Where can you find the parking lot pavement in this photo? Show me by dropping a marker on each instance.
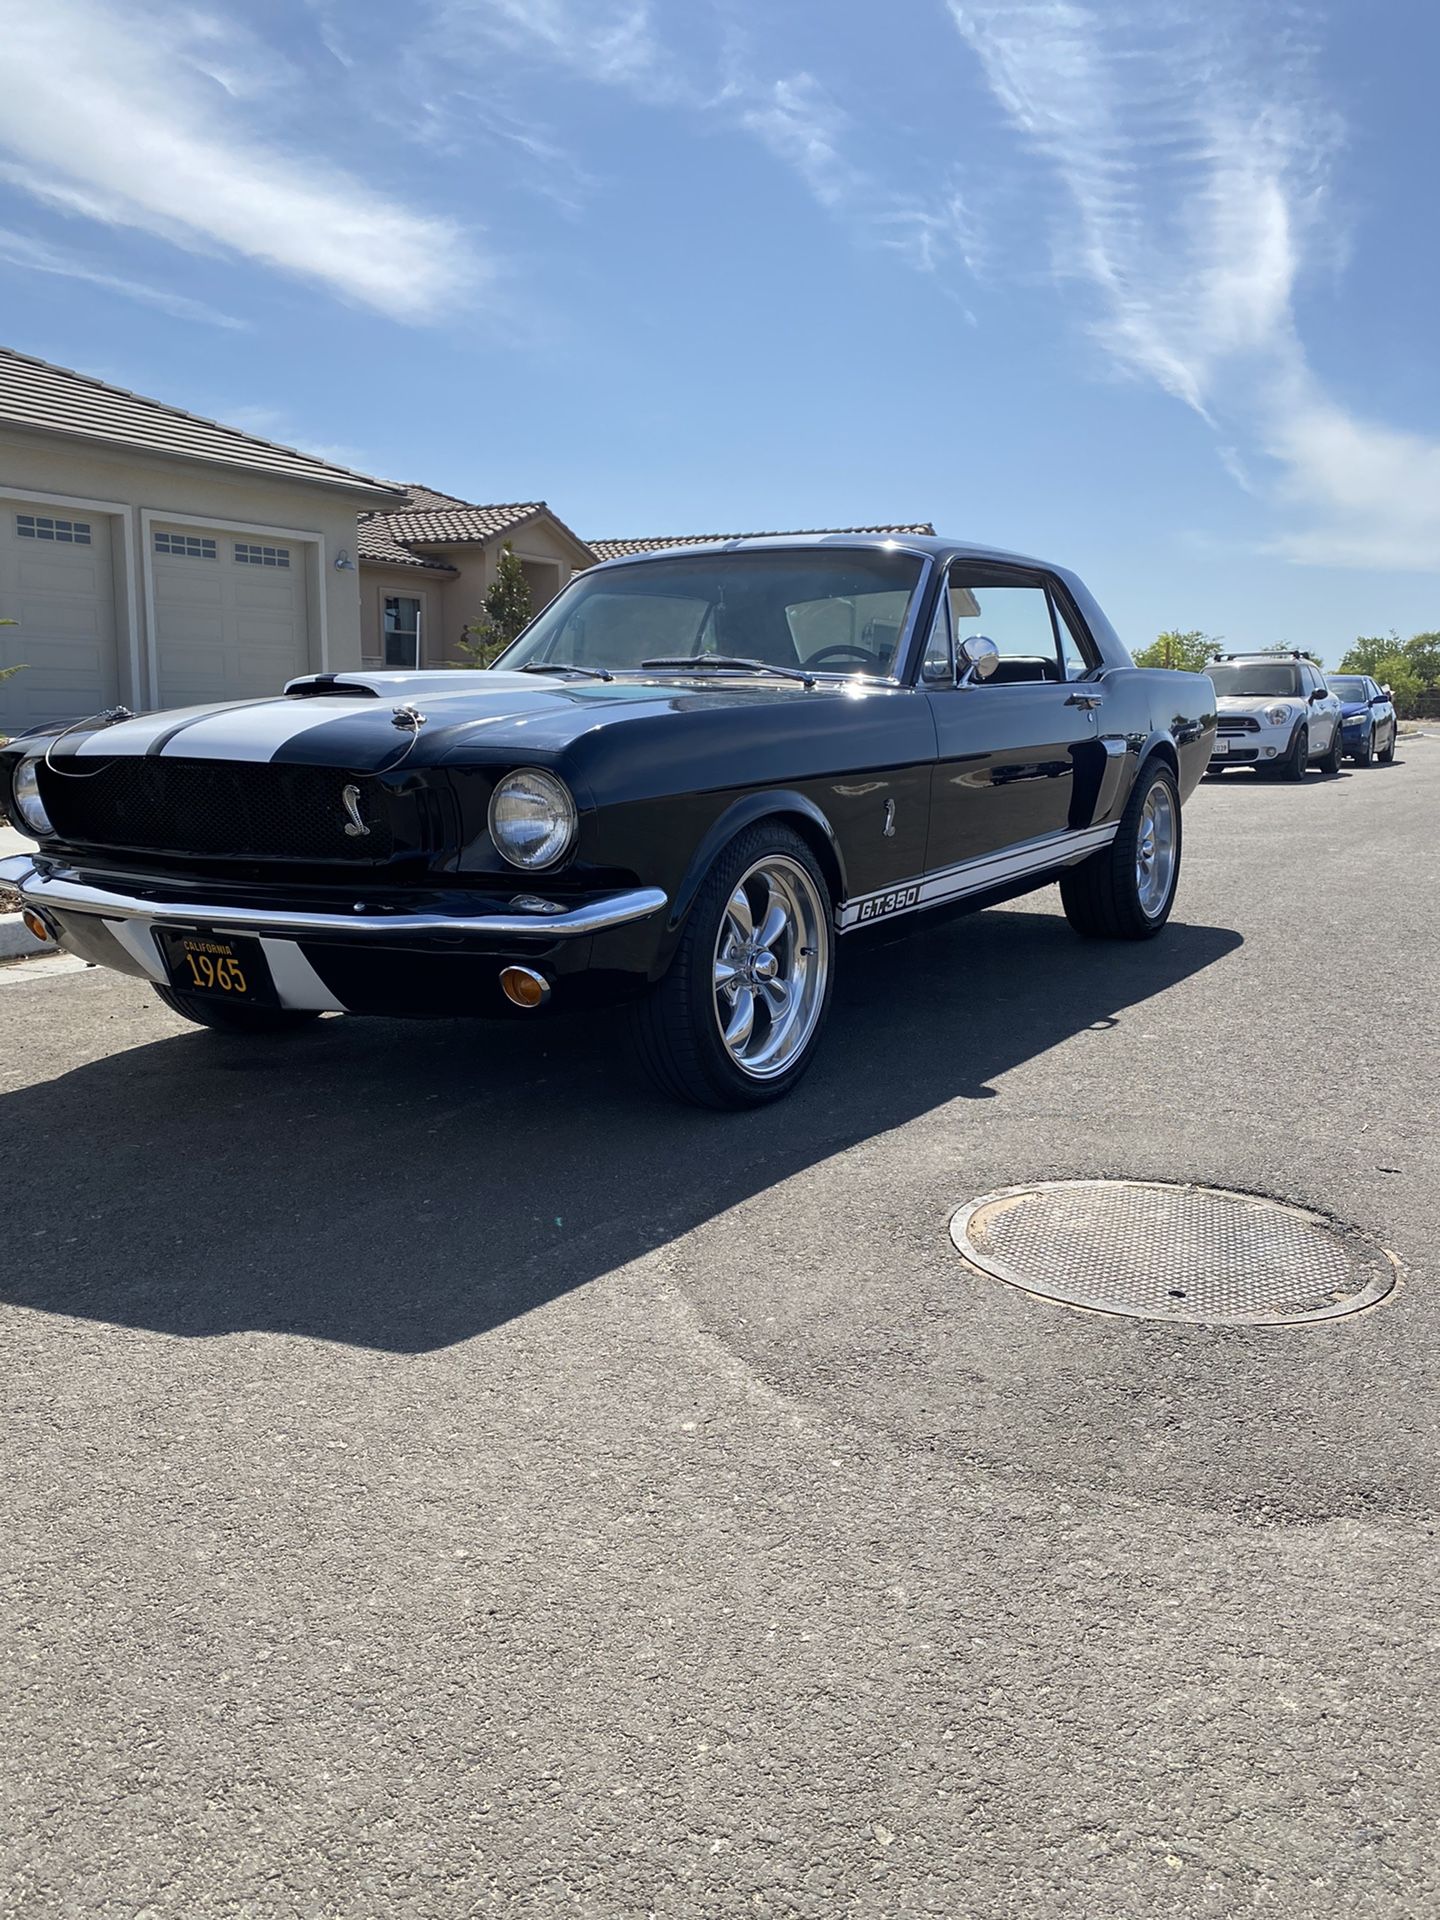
(443, 1479)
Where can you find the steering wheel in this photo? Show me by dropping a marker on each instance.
(836, 653)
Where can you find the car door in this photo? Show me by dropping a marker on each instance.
(1007, 748)
(1382, 713)
(1324, 712)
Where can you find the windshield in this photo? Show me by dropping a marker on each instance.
(838, 611)
(1349, 687)
(1264, 678)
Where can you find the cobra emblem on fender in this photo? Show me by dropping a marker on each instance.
(355, 825)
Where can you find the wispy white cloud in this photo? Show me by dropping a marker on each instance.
(140, 120)
(612, 41)
(34, 256)
(1191, 154)
(619, 43)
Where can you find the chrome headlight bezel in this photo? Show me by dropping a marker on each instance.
(550, 801)
(1279, 716)
(25, 798)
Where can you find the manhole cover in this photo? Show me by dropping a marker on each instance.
(1160, 1252)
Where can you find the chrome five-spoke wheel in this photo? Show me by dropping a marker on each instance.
(771, 965)
(1155, 850)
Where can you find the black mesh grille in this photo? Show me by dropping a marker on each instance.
(219, 806)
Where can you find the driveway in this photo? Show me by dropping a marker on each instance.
(442, 1479)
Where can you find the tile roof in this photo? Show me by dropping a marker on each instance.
(51, 399)
(441, 520)
(374, 542)
(457, 522)
(617, 549)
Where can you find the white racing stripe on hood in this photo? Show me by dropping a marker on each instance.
(252, 730)
(130, 736)
(258, 733)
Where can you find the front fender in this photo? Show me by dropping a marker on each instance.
(777, 803)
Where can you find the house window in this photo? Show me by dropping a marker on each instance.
(42, 526)
(185, 546)
(249, 555)
(402, 630)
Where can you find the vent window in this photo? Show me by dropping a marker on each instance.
(249, 555)
(185, 546)
(41, 526)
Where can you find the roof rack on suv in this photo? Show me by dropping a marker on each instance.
(1265, 653)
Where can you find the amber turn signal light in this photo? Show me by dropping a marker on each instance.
(522, 987)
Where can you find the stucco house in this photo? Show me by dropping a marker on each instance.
(158, 559)
(424, 570)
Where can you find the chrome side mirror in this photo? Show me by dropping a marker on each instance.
(978, 658)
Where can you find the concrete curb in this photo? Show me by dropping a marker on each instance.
(16, 938)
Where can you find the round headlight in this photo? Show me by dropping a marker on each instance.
(532, 818)
(25, 790)
(1277, 716)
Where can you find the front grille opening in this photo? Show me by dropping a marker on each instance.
(242, 810)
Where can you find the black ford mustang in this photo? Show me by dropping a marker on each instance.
(687, 784)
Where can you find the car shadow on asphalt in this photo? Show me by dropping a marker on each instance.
(403, 1185)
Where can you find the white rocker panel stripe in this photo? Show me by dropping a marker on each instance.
(974, 876)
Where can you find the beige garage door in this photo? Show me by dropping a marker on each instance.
(56, 583)
(230, 613)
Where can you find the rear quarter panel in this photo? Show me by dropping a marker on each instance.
(1150, 708)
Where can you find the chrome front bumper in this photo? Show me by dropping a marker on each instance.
(66, 893)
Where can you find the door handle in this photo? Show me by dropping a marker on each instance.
(1086, 700)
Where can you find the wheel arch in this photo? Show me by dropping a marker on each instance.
(786, 808)
(1159, 746)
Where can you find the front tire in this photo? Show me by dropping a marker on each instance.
(1126, 890)
(239, 1019)
(737, 1018)
(1298, 759)
(1387, 757)
(1367, 753)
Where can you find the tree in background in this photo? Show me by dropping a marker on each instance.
(1187, 652)
(506, 612)
(1410, 668)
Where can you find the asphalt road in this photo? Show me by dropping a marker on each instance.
(441, 1479)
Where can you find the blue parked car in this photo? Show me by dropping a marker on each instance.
(1367, 718)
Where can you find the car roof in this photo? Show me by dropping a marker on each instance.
(937, 546)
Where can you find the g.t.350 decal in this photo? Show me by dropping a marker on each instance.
(883, 903)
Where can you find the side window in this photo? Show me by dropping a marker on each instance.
(1073, 658)
(938, 666)
(1016, 618)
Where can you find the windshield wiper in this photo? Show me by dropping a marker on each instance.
(726, 663)
(565, 666)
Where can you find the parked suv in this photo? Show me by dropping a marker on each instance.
(1368, 719)
(1276, 712)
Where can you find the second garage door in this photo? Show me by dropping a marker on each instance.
(230, 613)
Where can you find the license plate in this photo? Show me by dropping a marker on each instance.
(221, 966)
(1220, 746)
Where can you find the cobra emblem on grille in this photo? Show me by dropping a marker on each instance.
(355, 825)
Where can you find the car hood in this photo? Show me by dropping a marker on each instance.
(1254, 702)
(1354, 709)
(368, 722)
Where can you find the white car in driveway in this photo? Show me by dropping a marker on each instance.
(1276, 712)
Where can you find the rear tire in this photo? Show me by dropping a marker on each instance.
(1330, 763)
(1119, 893)
(242, 1019)
(1388, 756)
(737, 1018)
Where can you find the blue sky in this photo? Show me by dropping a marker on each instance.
(1146, 288)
